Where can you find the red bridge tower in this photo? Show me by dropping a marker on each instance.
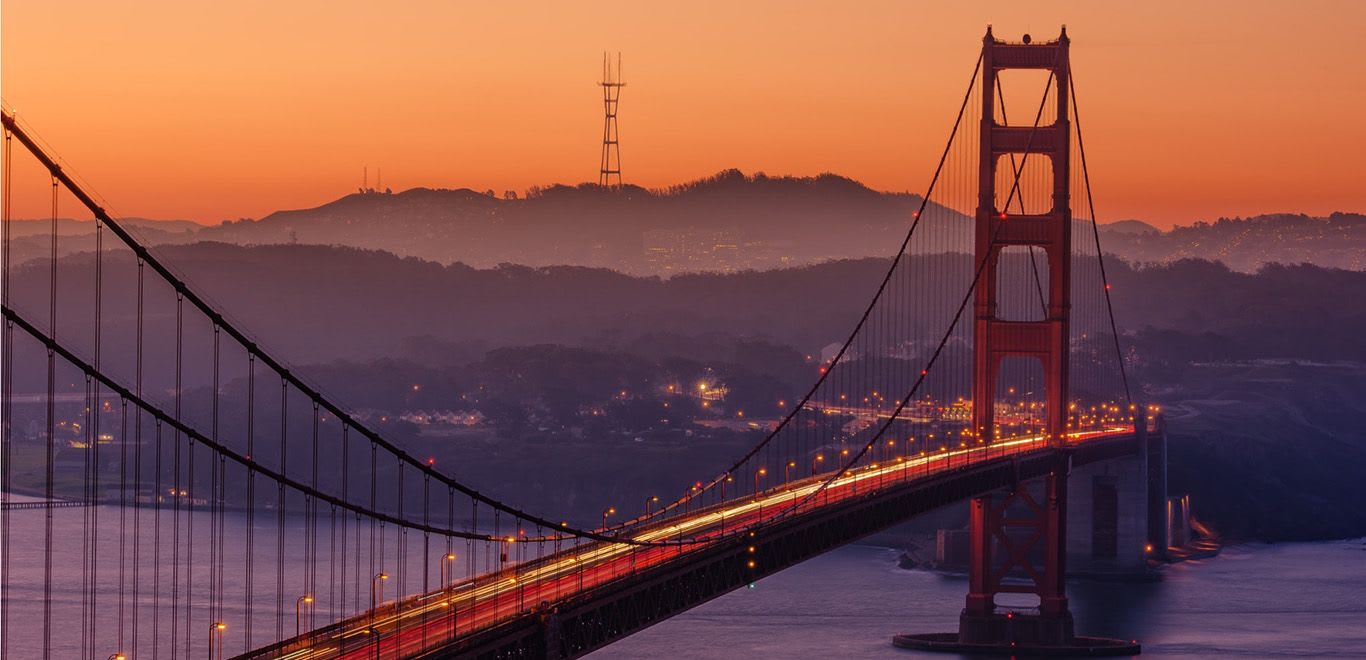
(1015, 534)
(1045, 340)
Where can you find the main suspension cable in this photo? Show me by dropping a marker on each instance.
(286, 375)
(863, 320)
(924, 373)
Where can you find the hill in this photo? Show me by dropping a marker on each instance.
(1261, 371)
(1245, 244)
(727, 222)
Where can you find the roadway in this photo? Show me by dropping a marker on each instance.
(428, 622)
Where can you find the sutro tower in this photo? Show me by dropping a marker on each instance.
(611, 145)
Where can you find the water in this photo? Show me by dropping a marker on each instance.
(271, 619)
(1251, 601)
(1287, 600)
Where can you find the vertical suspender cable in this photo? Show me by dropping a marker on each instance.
(215, 499)
(401, 556)
(346, 495)
(51, 439)
(85, 516)
(332, 568)
(426, 547)
(370, 575)
(250, 577)
(280, 513)
(6, 405)
(1095, 231)
(123, 515)
(156, 544)
(311, 590)
(177, 493)
(97, 410)
(137, 459)
(189, 539)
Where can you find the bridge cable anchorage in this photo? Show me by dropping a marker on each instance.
(944, 339)
(1095, 231)
(178, 284)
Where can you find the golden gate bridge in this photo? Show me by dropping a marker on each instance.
(234, 509)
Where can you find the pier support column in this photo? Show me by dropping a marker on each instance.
(1018, 535)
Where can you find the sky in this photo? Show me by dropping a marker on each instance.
(214, 111)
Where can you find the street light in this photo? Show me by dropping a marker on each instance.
(298, 613)
(820, 458)
(648, 501)
(759, 473)
(449, 557)
(376, 590)
(607, 512)
(215, 629)
(376, 585)
(787, 471)
(117, 656)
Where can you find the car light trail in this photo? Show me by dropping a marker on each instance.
(483, 604)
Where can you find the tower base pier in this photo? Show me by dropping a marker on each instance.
(1081, 647)
(1018, 634)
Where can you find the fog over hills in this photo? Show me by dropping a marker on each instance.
(32, 239)
(1248, 330)
(1262, 372)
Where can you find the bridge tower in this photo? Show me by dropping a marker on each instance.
(1046, 340)
(1015, 534)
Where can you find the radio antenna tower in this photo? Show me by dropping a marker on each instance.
(611, 145)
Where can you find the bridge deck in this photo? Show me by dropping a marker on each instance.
(568, 603)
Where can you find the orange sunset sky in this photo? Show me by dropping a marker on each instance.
(212, 111)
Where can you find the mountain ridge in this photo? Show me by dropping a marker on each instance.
(728, 222)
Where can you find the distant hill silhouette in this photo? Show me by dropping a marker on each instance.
(318, 303)
(32, 239)
(1245, 244)
(728, 222)
(1129, 227)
